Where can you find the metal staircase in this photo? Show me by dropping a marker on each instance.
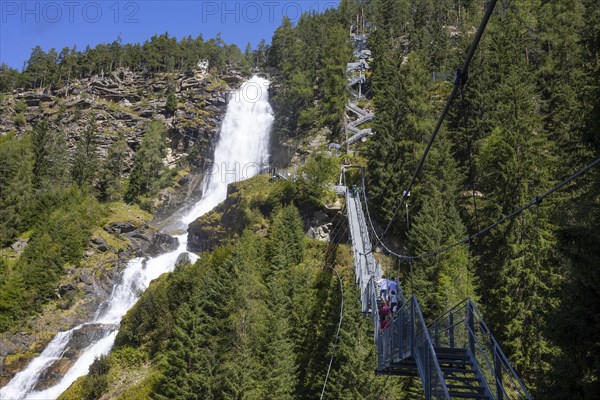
(455, 356)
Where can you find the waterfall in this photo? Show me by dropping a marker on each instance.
(240, 153)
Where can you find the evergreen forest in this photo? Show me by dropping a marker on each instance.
(257, 317)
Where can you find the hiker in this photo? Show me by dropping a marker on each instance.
(392, 286)
(393, 301)
(386, 322)
(383, 313)
(383, 286)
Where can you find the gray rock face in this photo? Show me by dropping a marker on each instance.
(183, 259)
(64, 290)
(120, 227)
(19, 245)
(124, 101)
(161, 243)
(81, 339)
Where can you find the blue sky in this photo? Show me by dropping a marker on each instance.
(58, 24)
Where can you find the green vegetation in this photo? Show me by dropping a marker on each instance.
(162, 53)
(255, 318)
(148, 173)
(526, 118)
(251, 320)
(317, 176)
(171, 105)
(85, 161)
(311, 57)
(58, 241)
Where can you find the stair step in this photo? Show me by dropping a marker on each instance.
(449, 350)
(457, 360)
(462, 378)
(458, 370)
(452, 355)
(396, 372)
(465, 387)
(463, 395)
(455, 363)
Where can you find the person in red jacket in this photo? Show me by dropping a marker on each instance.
(384, 312)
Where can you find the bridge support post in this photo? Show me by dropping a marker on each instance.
(451, 330)
(498, 372)
(427, 368)
(412, 326)
(471, 324)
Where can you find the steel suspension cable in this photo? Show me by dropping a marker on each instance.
(337, 334)
(459, 81)
(536, 201)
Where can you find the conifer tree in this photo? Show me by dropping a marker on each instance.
(286, 242)
(111, 173)
(148, 164)
(16, 187)
(278, 354)
(85, 160)
(404, 119)
(518, 274)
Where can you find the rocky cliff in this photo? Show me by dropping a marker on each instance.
(124, 101)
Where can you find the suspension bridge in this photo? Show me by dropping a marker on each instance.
(455, 356)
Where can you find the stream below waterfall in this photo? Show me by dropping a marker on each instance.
(242, 150)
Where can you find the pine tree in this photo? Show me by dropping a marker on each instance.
(85, 160)
(148, 164)
(243, 371)
(281, 376)
(574, 325)
(443, 281)
(286, 241)
(518, 274)
(171, 105)
(16, 187)
(404, 119)
(111, 174)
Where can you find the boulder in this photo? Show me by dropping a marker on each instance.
(86, 278)
(64, 290)
(19, 245)
(120, 227)
(80, 103)
(100, 244)
(161, 243)
(125, 103)
(183, 259)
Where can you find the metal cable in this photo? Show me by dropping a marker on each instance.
(536, 201)
(337, 334)
(459, 81)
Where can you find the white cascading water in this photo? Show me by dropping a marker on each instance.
(240, 153)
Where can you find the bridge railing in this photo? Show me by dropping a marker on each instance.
(427, 363)
(407, 336)
(363, 262)
(463, 327)
(394, 340)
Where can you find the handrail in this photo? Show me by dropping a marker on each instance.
(499, 377)
(451, 310)
(497, 347)
(488, 362)
(417, 355)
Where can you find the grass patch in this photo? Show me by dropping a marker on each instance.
(121, 212)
